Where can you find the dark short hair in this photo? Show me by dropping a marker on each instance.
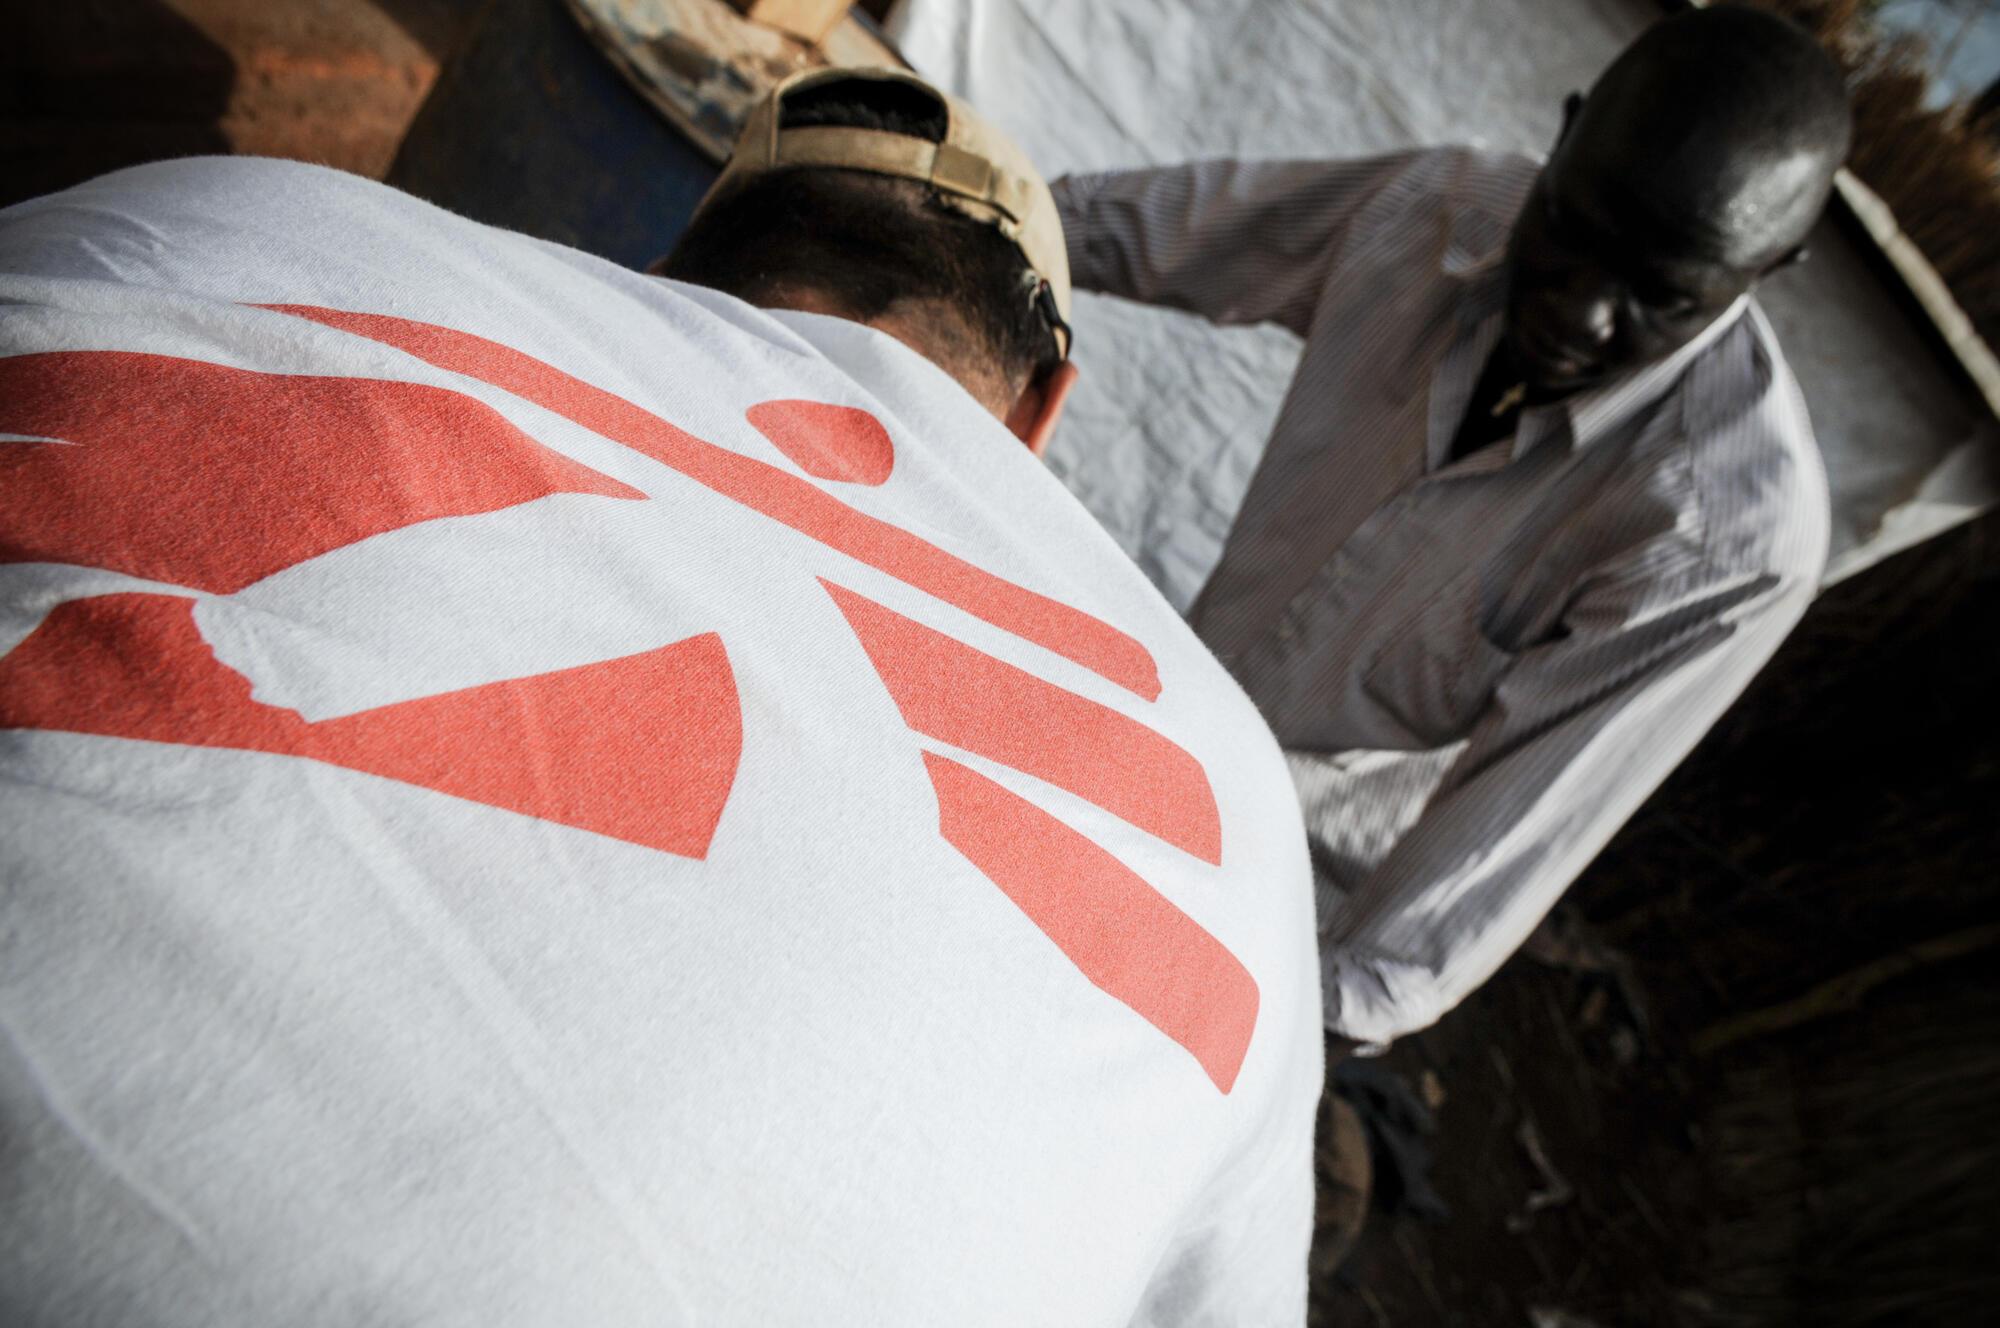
(867, 242)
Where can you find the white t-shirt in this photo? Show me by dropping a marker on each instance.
(531, 794)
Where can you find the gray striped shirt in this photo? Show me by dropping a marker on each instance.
(1479, 669)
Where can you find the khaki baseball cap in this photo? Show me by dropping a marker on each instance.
(976, 170)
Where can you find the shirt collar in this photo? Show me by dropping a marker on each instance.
(1584, 417)
(1479, 307)
(1593, 414)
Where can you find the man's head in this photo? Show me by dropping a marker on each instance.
(1697, 164)
(927, 225)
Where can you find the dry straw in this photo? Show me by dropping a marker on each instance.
(1938, 169)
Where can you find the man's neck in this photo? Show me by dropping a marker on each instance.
(919, 333)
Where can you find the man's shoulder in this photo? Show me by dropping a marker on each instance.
(1474, 193)
(1752, 459)
(1499, 165)
(1478, 179)
(219, 183)
(202, 225)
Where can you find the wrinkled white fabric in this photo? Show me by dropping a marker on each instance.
(367, 957)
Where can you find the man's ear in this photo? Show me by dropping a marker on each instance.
(1035, 412)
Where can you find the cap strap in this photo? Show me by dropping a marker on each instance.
(950, 170)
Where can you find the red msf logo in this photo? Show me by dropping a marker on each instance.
(206, 477)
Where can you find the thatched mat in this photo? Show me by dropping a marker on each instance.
(1832, 1165)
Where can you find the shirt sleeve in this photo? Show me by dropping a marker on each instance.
(1236, 242)
(1580, 731)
